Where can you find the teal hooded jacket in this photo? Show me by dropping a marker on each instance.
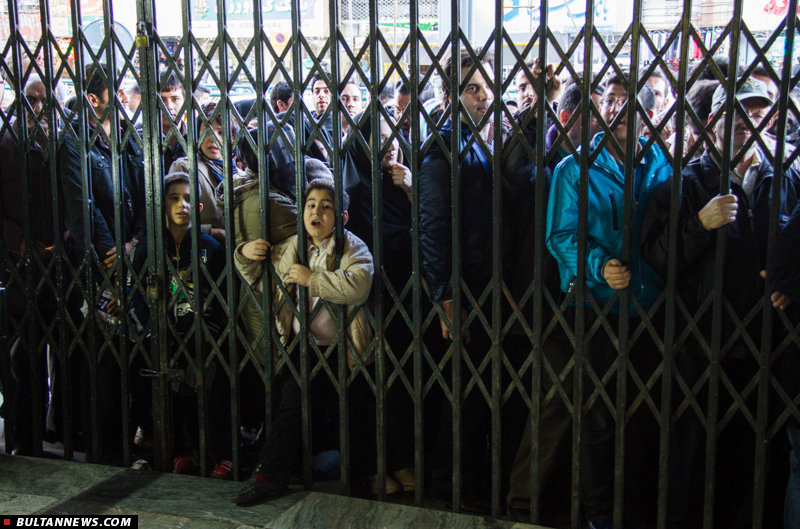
(605, 220)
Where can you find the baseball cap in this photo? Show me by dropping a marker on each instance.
(750, 89)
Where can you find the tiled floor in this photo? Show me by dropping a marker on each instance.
(50, 486)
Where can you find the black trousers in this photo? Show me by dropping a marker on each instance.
(597, 462)
(475, 432)
(555, 423)
(285, 437)
(22, 391)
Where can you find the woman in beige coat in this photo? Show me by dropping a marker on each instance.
(210, 170)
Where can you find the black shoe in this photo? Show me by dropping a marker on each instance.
(472, 503)
(254, 492)
(518, 514)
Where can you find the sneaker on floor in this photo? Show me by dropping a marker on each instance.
(405, 477)
(141, 464)
(257, 489)
(392, 486)
(223, 470)
(182, 465)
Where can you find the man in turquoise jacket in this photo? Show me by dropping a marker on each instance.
(606, 272)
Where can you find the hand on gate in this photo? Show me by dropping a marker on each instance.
(553, 85)
(299, 274)
(719, 211)
(780, 301)
(401, 177)
(113, 307)
(112, 253)
(617, 275)
(256, 250)
(43, 251)
(447, 306)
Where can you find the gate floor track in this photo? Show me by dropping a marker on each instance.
(51, 486)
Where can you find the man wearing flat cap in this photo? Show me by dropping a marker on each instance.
(742, 211)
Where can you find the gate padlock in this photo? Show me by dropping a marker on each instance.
(141, 40)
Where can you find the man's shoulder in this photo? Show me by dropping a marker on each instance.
(658, 165)
(435, 154)
(702, 165)
(768, 169)
(8, 150)
(443, 133)
(352, 242)
(67, 138)
(700, 174)
(132, 146)
(354, 249)
(568, 167)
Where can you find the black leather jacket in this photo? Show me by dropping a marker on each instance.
(746, 245)
(520, 215)
(102, 203)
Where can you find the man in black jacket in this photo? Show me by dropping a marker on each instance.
(100, 217)
(784, 276)
(520, 179)
(436, 243)
(742, 211)
(102, 237)
(27, 259)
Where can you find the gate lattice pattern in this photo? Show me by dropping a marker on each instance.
(517, 371)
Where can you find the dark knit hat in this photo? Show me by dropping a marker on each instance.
(316, 169)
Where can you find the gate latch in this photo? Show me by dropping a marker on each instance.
(153, 287)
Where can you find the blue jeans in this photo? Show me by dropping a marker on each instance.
(791, 510)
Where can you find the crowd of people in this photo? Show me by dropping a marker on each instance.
(607, 211)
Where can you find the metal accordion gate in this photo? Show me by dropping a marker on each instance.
(517, 382)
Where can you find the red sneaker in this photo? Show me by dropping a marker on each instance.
(182, 465)
(223, 470)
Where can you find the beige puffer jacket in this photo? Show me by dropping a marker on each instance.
(348, 285)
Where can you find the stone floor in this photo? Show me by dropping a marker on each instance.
(52, 486)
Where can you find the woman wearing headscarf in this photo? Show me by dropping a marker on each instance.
(210, 171)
